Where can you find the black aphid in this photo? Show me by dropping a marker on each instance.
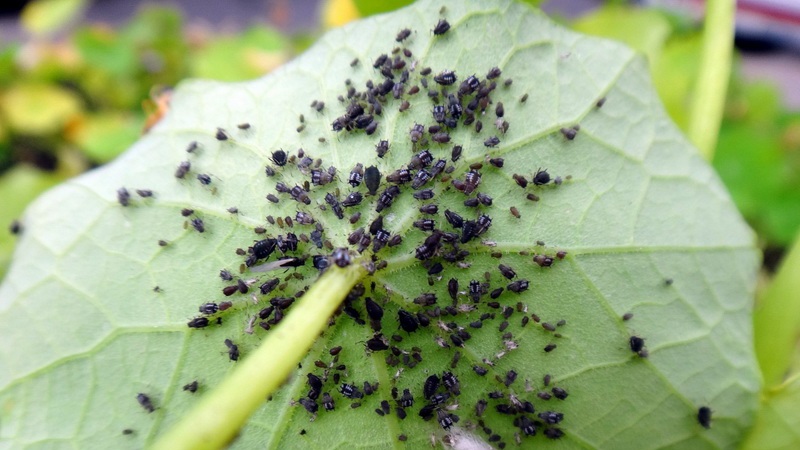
(198, 225)
(704, 417)
(372, 179)
(425, 224)
(444, 419)
(559, 393)
(480, 370)
(425, 194)
(494, 72)
(145, 402)
(527, 426)
(123, 196)
(204, 178)
(327, 402)
(455, 154)
(499, 110)
(492, 141)
(551, 417)
(416, 133)
(484, 199)
(471, 181)
(553, 433)
(221, 135)
(208, 308)
(382, 148)
(422, 177)
(309, 404)
(377, 343)
(441, 138)
(439, 113)
(356, 175)
(399, 176)
(482, 224)
(352, 199)
(315, 383)
(300, 194)
(263, 248)
(233, 350)
(518, 286)
(541, 177)
(451, 383)
(452, 288)
(429, 247)
(331, 200)
(198, 322)
(406, 400)
(430, 387)
(637, 346)
(350, 391)
(320, 262)
(279, 158)
(549, 348)
(374, 310)
(408, 322)
(441, 27)
(438, 399)
(445, 78)
(507, 272)
(511, 376)
(469, 85)
(387, 197)
(183, 169)
(426, 299)
(191, 387)
(402, 35)
(569, 133)
(475, 290)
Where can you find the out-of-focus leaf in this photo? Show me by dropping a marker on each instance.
(102, 48)
(645, 30)
(369, 8)
(778, 423)
(760, 162)
(674, 74)
(252, 54)
(777, 320)
(37, 108)
(104, 136)
(635, 205)
(18, 187)
(48, 16)
(336, 13)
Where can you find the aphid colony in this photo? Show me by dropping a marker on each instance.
(291, 249)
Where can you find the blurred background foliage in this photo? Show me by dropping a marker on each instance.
(73, 102)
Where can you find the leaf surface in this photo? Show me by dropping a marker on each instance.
(636, 206)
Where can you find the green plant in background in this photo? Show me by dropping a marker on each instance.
(635, 222)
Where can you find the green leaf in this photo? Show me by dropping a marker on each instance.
(254, 53)
(49, 16)
(777, 320)
(636, 205)
(778, 419)
(104, 136)
(37, 108)
(18, 187)
(645, 30)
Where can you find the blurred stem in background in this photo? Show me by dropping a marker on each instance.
(708, 103)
